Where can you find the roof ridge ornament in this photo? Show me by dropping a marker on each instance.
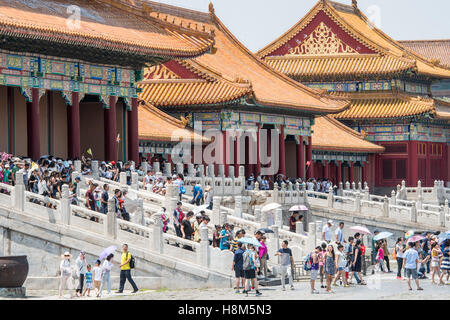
(355, 4)
(211, 8)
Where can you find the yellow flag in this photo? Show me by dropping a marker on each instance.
(89, 152)
(34, 166)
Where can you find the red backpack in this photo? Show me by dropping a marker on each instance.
(180, 216)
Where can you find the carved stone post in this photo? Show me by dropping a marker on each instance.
(358, 202)
(392, 199)
(65, 209)
(299, 227)
(19, 192)
(238, 206)
(347, 186)
(95, 171)
(134, 181)
(386, 207)
(311, 240)
(221, 171)
(210, 171)
(413, 214)
(139, 213)
(201, 170)
(276, 241)
(366, 193)
(145, 167)
(190, 170)
(180, 167)
(77, 165)
(123, 178)
(171, 198)
(258, 215)
(223, 217)
(204, 256)
(215, 218)
(157, 235)
(330, 197)
(231, 172)
(110, 222)
(279, 217)
(168, 169)
(156, 167)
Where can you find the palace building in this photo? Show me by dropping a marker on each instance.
(232, 88)
(69, 72)
(397, 90)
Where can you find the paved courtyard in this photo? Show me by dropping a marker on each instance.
(378, 287)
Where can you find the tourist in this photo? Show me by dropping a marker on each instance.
(81, 270)
(165, 220)
(224, 244)
(234, 244)
(125, 270)
(341, 263)
(196, 226)
(399, 252)
(410, 262)
(445, 264)
(89, 285)
(425, 246)
(380, 256)
(386, 255)
(104, 199)
(197, 193)
(314, 260)
(374, 249)
(340, 233)
(357, 262)
(293, 221)
(238, 266)
(250, 266)
(262, 252)
(179, 182)
(106, 274)
(65, 269)
(97, 274)
(330, 266)
(186, 226)
(287, 264)
(216, 236)
(326, 231)
(178, 216)
(208, 197)
(322, 253)
(90, 197)
(349, 254)
(436, 255)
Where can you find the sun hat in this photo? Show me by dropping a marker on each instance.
(330, 222)
(67, 254)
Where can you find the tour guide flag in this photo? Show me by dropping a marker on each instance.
(89, 152)
(118, 138)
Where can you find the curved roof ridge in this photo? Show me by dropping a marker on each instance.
(320, 96)
(162, 115)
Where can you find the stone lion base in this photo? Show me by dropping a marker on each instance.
(13, 292)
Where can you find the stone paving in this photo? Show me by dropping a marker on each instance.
(379, 287)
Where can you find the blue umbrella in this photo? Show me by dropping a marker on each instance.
(444, 236)
(382, 235)
(248, 240)
(107, 252)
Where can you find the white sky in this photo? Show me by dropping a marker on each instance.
(258, 22)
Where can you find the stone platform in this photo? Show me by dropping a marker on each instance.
(13, 292)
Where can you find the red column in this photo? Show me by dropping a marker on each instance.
(429, 182)
(282, 158)
(339, 172)
(413, 170)
(73, 124)
(300, 163)
(226, 153)
(110, 131)
(34, 126)
(236, 156)
(258, 158)
(326, 169)
(364, 172)
(133, 133)
(310, 169)
(10, 106)
(351, 172)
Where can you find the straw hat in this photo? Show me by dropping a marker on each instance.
(67, 253)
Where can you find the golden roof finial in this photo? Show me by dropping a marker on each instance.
(355, 4)
(211, 8)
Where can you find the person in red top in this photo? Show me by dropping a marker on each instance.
(178, 216)
(293, 221)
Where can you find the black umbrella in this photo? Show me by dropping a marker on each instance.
(265, 230)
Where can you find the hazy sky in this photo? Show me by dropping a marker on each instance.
(258, 22)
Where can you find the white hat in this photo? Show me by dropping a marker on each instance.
(330, 222)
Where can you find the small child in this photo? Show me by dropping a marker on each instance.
(97, 273)
(88, 277)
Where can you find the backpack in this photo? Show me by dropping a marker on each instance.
(308, 262)
(247, 264)
(132, 261)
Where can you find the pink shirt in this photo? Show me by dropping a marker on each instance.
(380, 254)
(322, 257)
(262, 250)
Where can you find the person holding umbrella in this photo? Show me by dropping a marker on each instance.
(250, 266)
(106, 274)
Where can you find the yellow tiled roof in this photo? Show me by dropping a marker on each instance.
(331, 135)
(307, 67)
(231, 60)
(155, 125)
(378, 105)
(117, 25)
(437, 50)
(357, 25)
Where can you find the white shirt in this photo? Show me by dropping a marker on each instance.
(107, 266)
(97, 273)
(327, 230)
(340, 233)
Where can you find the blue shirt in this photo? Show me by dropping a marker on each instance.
(88, 277)
(197, 189)
(223, 240)
(411, 257)
(238, 259)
